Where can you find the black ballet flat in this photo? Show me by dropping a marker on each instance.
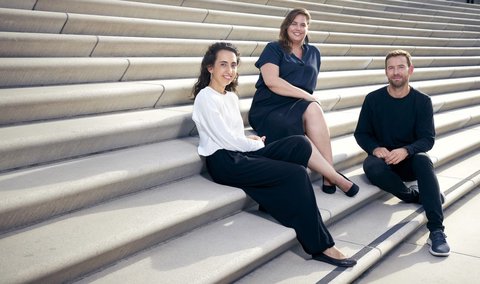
(346, 262)
(353, 190)
(330, 189)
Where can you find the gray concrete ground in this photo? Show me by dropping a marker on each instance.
(412, 263)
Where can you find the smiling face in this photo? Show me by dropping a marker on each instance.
(398, 71)
(298, 29)
(223, 71)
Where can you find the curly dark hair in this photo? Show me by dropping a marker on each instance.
(208, 60)
(283, 38)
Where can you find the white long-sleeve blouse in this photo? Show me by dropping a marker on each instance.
(220, 124)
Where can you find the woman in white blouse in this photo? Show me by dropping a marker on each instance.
(275, 176)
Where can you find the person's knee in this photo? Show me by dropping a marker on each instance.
(296, 173)
(421, 160)
(300, 141)
(313, 111)
(374, 167)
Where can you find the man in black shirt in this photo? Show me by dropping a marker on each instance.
(396, 129)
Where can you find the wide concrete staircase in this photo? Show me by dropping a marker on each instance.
(100, 180)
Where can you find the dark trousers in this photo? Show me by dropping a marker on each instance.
(277, 179)
(418, 167)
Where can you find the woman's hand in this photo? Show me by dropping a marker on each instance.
(255, 137)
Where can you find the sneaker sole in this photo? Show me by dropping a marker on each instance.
(432, 252)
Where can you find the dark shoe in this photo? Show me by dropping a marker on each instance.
(414, 188)
(353, 190)
(330, 189)
(346, 262)
(438, 243)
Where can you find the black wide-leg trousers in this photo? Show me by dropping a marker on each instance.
(277, 179)
(418, 167)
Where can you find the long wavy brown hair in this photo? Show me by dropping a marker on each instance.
(209, 60)
(283, 38)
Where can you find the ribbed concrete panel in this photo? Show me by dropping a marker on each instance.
(252, 33)
(106, 25)
(456, 100)
(229, 262)
(14, 20)
(45, 45)
(237, 7)
(162, 68)
(34, 194)
(38, 103)
(136, 46)
(243, 19)
(348, 38)
(31, 144)
(26, 4)
(123, 9)
(341, 63)
(177, 92)
(443, 86)
(53, 71)
(176, 68)
(450, 121)
(166, 2)
(337, 79)
(444, 51)
(328, 26)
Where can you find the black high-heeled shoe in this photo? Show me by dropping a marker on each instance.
(353, 190)
(330, 189)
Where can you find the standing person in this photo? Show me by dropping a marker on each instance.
(283, 104)
(275, 176)
(396, 129)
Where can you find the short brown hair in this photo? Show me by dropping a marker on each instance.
(399, 52)
(283, 36)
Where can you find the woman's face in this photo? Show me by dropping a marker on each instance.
(224, 70)
(298, 29)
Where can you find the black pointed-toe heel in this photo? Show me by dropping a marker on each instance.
(330, 189)
(353, 190)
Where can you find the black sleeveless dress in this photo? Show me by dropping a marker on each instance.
(276, 116)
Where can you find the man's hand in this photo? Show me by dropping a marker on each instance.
(381, 152)
(396, 156)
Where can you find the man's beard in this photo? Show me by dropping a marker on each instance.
(397, 84)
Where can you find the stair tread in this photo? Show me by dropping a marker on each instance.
(183, 258)
(87, 224)
(358, 230)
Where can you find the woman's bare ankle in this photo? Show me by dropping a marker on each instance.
(333, 252)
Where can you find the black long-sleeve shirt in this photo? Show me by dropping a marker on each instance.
(394, 123)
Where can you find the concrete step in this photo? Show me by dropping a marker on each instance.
(22, 72)
(384, 10)
(393, 21)
(464, 256)
(37, 193)
(34, 143)
(180, 13)
(278, 7)
(20, 105)
(31, 144)
(369, 234)
(227, 250)
(25, 44)
(13, 20)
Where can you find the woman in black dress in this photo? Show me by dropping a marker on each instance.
(283, 104)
